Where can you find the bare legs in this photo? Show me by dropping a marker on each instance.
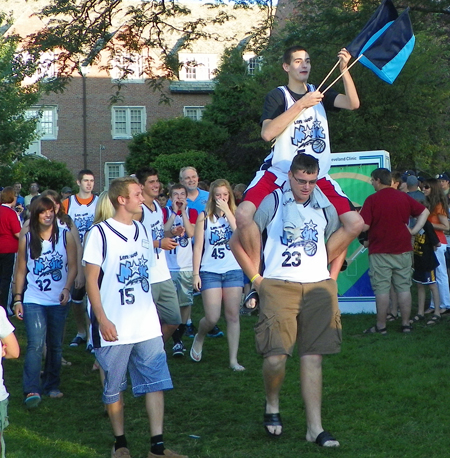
(311, 386)
(212, 303)
(154, 403)
(352, 226)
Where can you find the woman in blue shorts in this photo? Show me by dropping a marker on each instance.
(216, 272)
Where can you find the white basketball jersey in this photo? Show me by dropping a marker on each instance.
(125, 255)
(153, 221)
(302, 260)
(47, 275)
(217, 256)
(82, 215)
(180, 258)
(306, 134)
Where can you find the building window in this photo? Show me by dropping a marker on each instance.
(195, 113)
(47, 121)
(254, 63)
(126, 66)
(127, 121)
(113, 170)
(46, 67)
(197, 67)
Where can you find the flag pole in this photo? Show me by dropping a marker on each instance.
(331, 71)
(346, 70)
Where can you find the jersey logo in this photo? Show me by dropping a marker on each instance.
(309, 133)
(49, 265)
(135, 271)
(308, 239)
(83, 223)
(157, 231)
(220, 236)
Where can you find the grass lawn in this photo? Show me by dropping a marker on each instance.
(384, 396)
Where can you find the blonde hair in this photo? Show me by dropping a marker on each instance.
(104, 208)
(211, 206)
(120, 187)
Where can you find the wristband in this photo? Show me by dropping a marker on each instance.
(195, 275)
(67, 289)
(254, 278)
(17, 302)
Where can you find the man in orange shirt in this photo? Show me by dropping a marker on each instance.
(81, 208)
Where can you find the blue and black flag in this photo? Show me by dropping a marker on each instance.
(385, 43)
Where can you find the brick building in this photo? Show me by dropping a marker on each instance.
(81, 128)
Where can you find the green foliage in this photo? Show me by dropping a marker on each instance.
(16, 95)
(410, 118)
(171, 137)
(49, 174)
(208, 166)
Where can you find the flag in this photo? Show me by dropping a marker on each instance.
(385, 14)
(386, 50)
(387, 54)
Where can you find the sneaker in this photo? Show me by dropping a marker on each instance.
(167, 453)
(121, 452)
(90, 349)
(178, 349)
(77, 341)
(190, 330)
(215, 332)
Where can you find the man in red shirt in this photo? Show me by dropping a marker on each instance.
(386, 216)
(9, 241)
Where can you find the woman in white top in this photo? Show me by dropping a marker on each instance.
(47, 258)
(216, 272)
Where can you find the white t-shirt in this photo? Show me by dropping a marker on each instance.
(5, 330)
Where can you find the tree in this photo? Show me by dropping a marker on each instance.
(171, 137)
(80, 29)
(49, 174)
(208, 166)
(410, 118)
(17, 93)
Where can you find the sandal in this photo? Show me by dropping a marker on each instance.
(251, 295)
(416, 319)
(434, 320)
(32, 400)
(391, 317)
(375, 330)
(406, 329)
(272, 419)
(195, 356)
(325, 437)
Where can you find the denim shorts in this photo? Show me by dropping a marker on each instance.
(146, 362)
(230, 279)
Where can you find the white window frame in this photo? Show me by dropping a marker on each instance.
(108, 168)
(47, 124)
(129, 67)
(188, 112)
(197, 67)
(254, 63)
(126, 133)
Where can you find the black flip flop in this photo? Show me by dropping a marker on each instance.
(272, 419)
(324, 437)
(251, 295)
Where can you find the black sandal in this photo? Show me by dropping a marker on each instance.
(272, 419)
(251, 295)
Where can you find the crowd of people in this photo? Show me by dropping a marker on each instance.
(130, 261)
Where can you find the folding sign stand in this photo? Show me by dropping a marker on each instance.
(352, 172)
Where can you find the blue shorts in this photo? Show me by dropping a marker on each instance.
(146, 362)
(230, 279)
